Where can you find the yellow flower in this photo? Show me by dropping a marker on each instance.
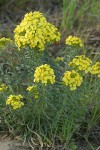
(3, 87)
(72, 79)
(59, 59)
(81, 63)
(15, 101)
(4, 41)
(35, 31)
(34, 90)
(29, 88)
(44, 74)
(96, 69)
(74, 41)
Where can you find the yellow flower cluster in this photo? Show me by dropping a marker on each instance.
(58, 59)
(35, 31)
(72, 79)
(3, 87)
(29, 88)
(96, 69)
(15, 101)
(81, 63)
(74, 41)
(44, 74)
(34, 90)
(4, 41)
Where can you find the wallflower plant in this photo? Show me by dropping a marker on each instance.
(15, 101)
(48, 101)
(95, 69)
(33, 89)
(74, 41)
(35, 31)
(44, 74)
(4, 41)
(59, 59)
(81, 63)
(72, 79)
(3, 87)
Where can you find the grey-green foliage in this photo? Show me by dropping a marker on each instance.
(58, 113)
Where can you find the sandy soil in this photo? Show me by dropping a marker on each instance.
(7, 144)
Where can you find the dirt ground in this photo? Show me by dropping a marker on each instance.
(12, 145)
(8, 144)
